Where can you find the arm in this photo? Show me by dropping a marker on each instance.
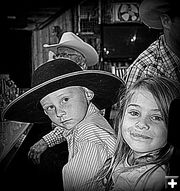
(54, 137)
(49, 140)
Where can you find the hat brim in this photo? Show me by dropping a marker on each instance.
(84, 48)
(26, 107)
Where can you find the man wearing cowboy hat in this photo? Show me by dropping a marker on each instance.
(72, 47)
(162, 57)
(70, 97)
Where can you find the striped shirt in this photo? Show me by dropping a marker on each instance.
(90, 143)
(156, 60)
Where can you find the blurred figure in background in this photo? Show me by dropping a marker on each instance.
(162, 57)
(74, 48)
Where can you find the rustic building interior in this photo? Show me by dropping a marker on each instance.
(117, 34)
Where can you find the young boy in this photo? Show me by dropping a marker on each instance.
(71, 98)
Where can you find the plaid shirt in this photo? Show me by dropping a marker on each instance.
(156, 60)
(89, 145)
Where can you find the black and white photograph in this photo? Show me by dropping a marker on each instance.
(90, 95)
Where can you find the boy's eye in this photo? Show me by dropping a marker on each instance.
(49, 108)
(64, 100)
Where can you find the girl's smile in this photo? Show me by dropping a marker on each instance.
(143, 126)
(139, 136)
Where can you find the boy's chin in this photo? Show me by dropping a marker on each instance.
(66, 126)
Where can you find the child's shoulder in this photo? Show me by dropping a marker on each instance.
(160, 172)
(157, 179)
(89, 128)
(92, 131)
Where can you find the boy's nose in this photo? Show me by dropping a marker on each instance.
(60, 112)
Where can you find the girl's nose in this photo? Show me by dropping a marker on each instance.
(142, 124)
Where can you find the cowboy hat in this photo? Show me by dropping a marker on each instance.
(151, 10)
(71, 40)
(58, 74)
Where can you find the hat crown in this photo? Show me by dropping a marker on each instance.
(53, 69)
(69, 36)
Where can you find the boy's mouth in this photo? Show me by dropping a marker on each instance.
(65, 121)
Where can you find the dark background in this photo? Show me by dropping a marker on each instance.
(21, 174)
(16, 56)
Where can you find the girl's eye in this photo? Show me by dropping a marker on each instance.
(134, 113)
(156, 118)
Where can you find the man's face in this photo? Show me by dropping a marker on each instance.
(70, 53)
(171, 27)
(175, 30)
(66, 107)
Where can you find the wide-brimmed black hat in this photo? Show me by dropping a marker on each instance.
(58, 74)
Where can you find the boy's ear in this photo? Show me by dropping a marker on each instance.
(89, 93)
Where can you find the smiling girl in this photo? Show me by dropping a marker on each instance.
(142, 152)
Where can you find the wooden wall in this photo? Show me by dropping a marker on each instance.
(46, 36)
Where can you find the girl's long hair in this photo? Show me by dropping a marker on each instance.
(164, 91)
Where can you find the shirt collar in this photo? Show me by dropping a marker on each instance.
(91, 109)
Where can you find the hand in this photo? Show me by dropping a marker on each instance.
(36, 150)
